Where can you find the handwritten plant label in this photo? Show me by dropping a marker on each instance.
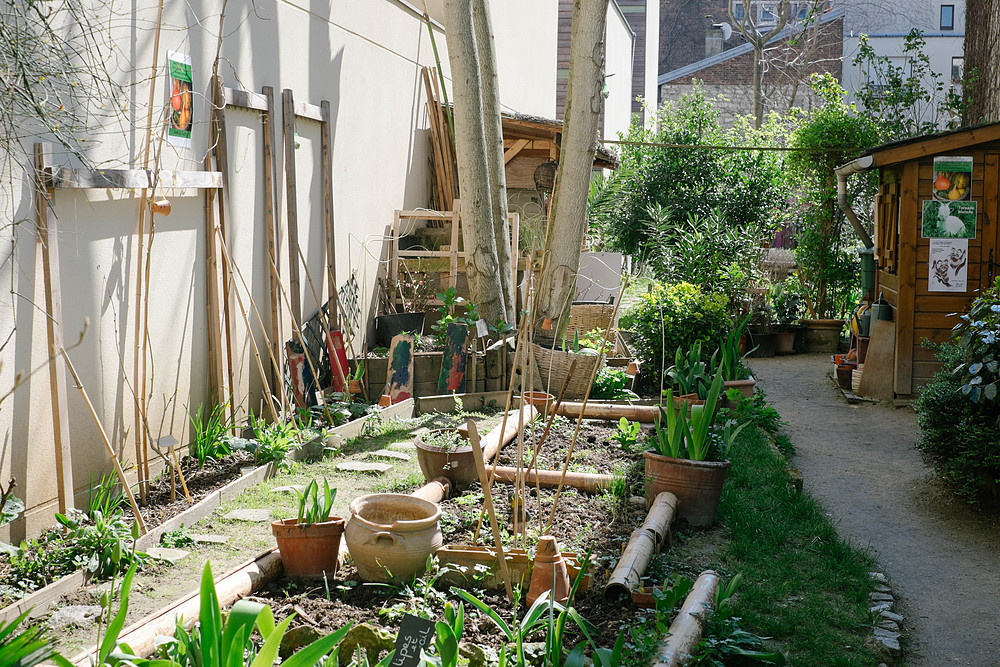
(415, 634)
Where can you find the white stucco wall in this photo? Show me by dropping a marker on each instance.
(364, 58)
(652, 51)
(618, 61)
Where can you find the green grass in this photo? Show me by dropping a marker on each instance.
(803, 585)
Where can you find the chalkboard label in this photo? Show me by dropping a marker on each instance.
(415, 633)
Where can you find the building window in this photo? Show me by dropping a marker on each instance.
(947, 17)
(957, 69)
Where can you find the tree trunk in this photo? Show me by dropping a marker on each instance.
(494, 150)
(481, 265)
(568, 212)
(982, 62)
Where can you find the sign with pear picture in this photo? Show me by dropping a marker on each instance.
(952, 178)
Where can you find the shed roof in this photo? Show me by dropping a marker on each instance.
(933, 144)
(524, 126)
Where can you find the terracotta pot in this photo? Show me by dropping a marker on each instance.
(455, 463)
(845, 373)
(784, 342)
(542, 400)
(308, 549)
(392, 533)
(354, 386)
(745, 386)
(465, 558)
(697, 485)
(548, 572)
(822, 335)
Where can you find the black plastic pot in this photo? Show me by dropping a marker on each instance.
(387, 326)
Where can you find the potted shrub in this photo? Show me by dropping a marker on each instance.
(310, 543)
(414, 291)
(730, 360)
(686, 459)
(787, 304)
(689, 377)
(445, 452)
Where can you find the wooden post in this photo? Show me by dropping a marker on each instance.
(48, 237)
(327, 178)
(909, 202)
(456, 217)
(271, 220)
(288, 138)
(107, 443)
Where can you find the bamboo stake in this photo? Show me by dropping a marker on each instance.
(506, 411)
(334, 363)
(180, 473)
(477, 454)
(583, 407)
(107, 442)
(545, 433)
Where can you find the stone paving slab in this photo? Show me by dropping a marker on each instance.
(172, 556)
(389, 454)
(204, 538)
(364, 466)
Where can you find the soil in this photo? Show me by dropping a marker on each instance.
(600, 523)
(942, 557)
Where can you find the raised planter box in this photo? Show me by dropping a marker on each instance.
(426, 371)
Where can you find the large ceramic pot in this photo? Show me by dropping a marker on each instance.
(456, 463)
(392, 533)
(387, 326)
(822, 335)
(697, 485)
(308, 549)
(745, 386)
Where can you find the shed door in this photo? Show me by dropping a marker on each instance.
(990, 262)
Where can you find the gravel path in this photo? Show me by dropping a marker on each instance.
(942, 558)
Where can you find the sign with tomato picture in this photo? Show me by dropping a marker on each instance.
(180, 85)
(952, 178)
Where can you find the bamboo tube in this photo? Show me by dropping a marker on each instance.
(586, 397)
(644, 542)
(499, 436)
(477, 454)
(647, 414)
(685, 632)
(435, 490)
(180, 474)
(584, 481)
(107, 443)
(238, 582)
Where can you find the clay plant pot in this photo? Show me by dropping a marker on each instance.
(354, 386)
(697, 485)
(745, 386)
(784, 343)
(457, 464)
(542, 400)
(845, 373)
(391, 535)
(308, 549)
(548, 572)
(822, 335)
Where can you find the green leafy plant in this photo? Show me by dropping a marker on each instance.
(105, 497)
(726, 640)
(10, 505)
(102, 545)
(450, 303)
(418, 596)
(447, 636)
(313, 507)
(210, 428)
(274, 441)
(685, 437)
(786, 299)
(977, 335)
(446, 439)
(627, 434)
(220, 640)
(689, 374)
(177, 539)
(728, 357)
(612, 384)
(27, 647)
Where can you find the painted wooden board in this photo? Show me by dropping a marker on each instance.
(338, 355)
(452, 378)
(876, 379)
(300, 376)
(399, 375)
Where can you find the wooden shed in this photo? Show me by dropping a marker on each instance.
(937, 240)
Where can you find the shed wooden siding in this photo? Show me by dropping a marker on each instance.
(921, 314)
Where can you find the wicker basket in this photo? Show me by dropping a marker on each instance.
(553, 366)
(584, 317)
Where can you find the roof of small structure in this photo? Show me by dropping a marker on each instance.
(927, 145)
(524, 126)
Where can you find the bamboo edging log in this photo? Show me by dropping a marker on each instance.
(107, 443)
(477, 454)
(646, 414)
(584, 481)
(645, 541)
(435, 490)
(685, 632)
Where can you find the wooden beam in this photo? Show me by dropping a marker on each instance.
(514, 150)
(49, 240)
(326, 147)
(311, 112)
(909, 233)
(245, 99)
(130, 179)
(927, 147)
(271, 222)
(288, 138)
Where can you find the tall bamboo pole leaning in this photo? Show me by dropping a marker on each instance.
(140, 230)
(477, 454)
(583, 407)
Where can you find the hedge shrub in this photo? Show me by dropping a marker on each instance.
(672, 316)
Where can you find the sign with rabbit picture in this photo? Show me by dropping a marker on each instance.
(949, 220)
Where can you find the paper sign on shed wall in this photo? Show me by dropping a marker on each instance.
(948, 265)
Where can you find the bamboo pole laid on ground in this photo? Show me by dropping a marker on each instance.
(689, 623)
(646, 414)
(585, 481)
(645, 541)
(107, 443)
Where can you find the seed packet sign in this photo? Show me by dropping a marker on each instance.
(952, 220)
(181, 84)
(415, 634)
(952, 178)
(948, 265)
